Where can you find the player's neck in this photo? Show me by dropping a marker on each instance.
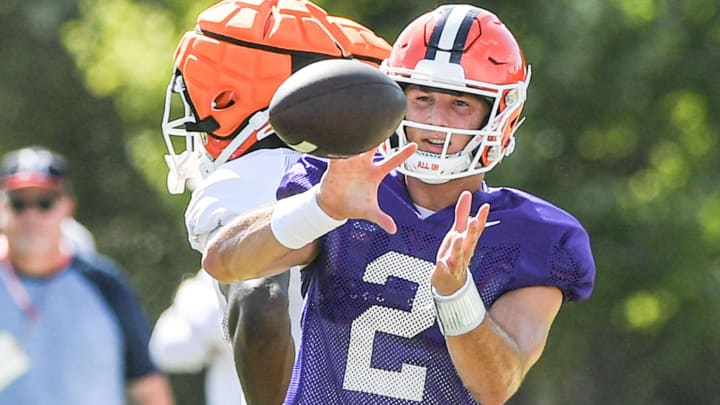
(436, 197)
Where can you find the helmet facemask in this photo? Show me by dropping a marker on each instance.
(193, 162)
(461, 49)
(488, 145)
(183, 166)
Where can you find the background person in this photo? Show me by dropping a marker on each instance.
(188, 338)
(81, 240)
(241, 160)
(73, 330)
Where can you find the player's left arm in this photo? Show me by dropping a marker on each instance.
(492, 357)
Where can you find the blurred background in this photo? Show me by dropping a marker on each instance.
(622, 131)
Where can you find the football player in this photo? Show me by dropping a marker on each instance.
(437, 288)
(221, 144)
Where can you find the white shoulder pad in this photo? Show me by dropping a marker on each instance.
(234, 188)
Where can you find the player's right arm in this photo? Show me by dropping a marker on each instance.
(249, 247)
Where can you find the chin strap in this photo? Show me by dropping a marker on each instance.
(429, 166)
(254, 126)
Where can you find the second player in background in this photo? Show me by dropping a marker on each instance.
(226, 71)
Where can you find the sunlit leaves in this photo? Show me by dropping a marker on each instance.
(146, 153)
(674, 155)
(645, 310)
(708, 218)
(124, 49)
(609, 145)
(639, 12)
(688, 114)
(119, 45)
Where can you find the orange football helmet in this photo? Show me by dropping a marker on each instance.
(469, 50)
(228, 68)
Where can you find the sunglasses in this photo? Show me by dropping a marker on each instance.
(43, 204)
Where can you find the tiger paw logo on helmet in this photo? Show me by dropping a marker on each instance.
(228, 68)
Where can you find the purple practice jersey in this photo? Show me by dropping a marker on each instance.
(369, 331)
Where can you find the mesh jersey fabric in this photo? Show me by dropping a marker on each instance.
(369, 328)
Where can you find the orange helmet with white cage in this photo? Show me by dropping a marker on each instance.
(228, 68)
(466, 49)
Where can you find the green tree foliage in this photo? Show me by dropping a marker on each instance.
(622, 131)
(50, 96)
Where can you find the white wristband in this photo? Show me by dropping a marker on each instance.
(299, 220)
(460, 312)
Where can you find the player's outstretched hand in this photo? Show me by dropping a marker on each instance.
(458, 246)
(349, 187)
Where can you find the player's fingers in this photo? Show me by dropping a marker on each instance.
(446, 247)
(475, 227)
(458, 257)
(472, 235)
(398, 158)
(480, 219)
(384, 221)
(455, 264)
(462, 211)
(452, 256)
(341, 165)
(441, 266)
(450, 267)
(439, 274)
(482, 214)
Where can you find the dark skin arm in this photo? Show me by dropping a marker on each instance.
(263, 348)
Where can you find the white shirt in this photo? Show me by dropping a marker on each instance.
(79, 237)
(188, 337)
(235, 187)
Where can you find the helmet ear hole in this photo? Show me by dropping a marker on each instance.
(224, 100)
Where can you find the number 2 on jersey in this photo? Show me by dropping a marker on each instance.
(409, 383)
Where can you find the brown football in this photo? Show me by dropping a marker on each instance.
(337, 108)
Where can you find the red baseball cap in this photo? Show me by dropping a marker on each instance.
(34, 167)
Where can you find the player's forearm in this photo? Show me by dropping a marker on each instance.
(488, 361)
(245, 249)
